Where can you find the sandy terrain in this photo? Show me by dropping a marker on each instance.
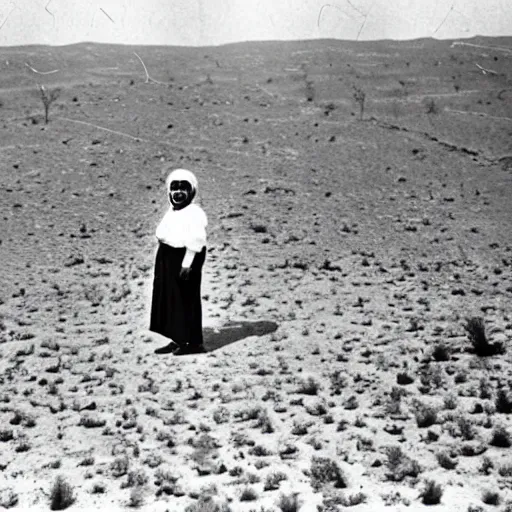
(367, 242)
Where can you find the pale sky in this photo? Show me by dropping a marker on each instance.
(213, 22)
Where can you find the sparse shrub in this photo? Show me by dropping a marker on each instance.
(505, 470)
(207, 504)
(289, 502)
(248, 494)
(486, 466)
(353, 499)
(446, 461)
(61, 494)
(431, 106)
(338, 381)
(260, 451)
(431, 494)
(136, 478)
(501, 437)
(491, 497)
(221, 415)
(6, 435)
(88, 461)
(503, 402)
(403, 378)
(99, 488)
(8, 498)
(476, 332)
(400, 465)
(324, 470)
(91, 422)
(425, 415)
(441, 352)
(119, 466)
(273, 480)
(264, 422)
(450, 402)
(432, 377)
(467, 429)
(309, 386)
(136, 497)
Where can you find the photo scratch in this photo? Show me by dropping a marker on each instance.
(50, 12)
(444, 20)
(7, 17)
(107, 15)
(332, 7)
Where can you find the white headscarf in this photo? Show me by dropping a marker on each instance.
(181, 175)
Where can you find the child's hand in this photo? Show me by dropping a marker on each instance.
(185, 273)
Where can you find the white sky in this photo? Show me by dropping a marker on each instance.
(212, 22)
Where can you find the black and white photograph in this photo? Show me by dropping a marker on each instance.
(256, 256)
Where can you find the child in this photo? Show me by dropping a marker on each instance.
(176, 303)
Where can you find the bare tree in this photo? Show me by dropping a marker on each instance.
(48, 97)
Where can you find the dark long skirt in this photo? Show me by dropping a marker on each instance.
(176, 311)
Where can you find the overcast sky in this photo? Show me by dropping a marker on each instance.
(212, 22)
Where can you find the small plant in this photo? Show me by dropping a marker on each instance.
(48, 97)
(360, 98)
(431, 106)
(61, 494)
(491, 498)
(289, 502)
(324, 470)
(431, 494)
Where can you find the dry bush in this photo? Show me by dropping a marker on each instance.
(476, 332)
(431, 494)
(446, 461)
(323, 471)
(273, 480)
(61, 494)
(8, 498)
(491, 497)
(501, 437)
(309, 386)
(400, 465)
(248, 494)
(289, 502)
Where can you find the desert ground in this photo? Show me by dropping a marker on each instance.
(360, 223)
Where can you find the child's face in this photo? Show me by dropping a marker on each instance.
(180, 192)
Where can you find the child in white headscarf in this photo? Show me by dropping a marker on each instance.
(176, 311)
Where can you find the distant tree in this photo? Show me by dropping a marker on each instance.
(360, 98)
(48, 97)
